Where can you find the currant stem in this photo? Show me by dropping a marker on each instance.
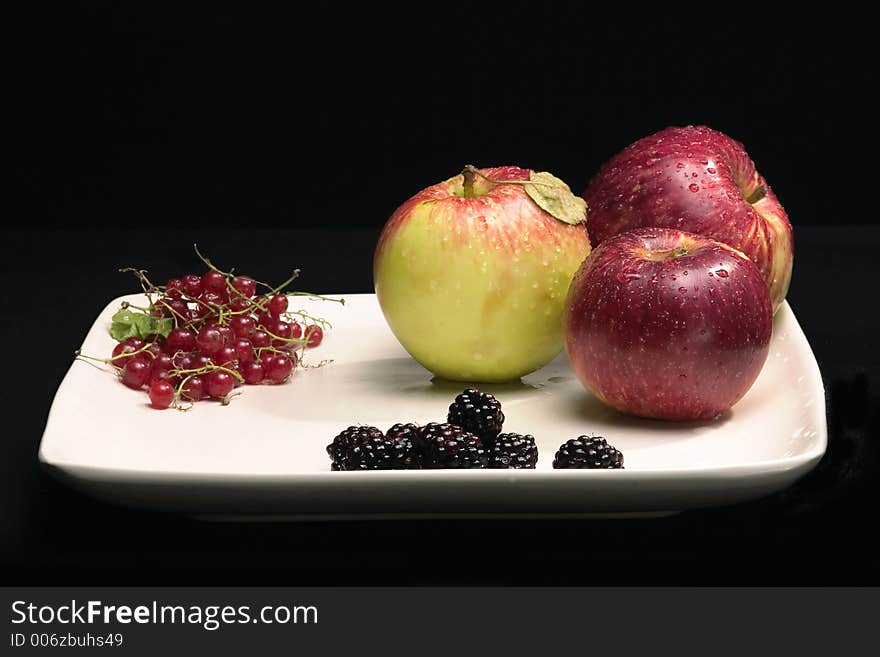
(317, 320)
(109, 361)
(316, 296)
(205, 370)
(208, 263)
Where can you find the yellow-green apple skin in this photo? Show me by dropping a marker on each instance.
(474, 288)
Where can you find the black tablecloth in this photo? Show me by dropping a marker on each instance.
(820, 531)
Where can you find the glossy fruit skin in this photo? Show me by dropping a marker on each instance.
(676, 337)
(315, 335)
(161, 394)
(277, 368)
(474, 287)
(193, 389)
(699, 180)
(218, 384)
(181, 339)
(136, 373)
(127, 346)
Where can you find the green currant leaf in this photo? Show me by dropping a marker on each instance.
(122, 325)
(555, 197)
(127, 323)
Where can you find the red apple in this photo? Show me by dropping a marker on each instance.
(471, 275)
(699, 180)
(666, 324)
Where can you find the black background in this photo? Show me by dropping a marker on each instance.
(286, 140)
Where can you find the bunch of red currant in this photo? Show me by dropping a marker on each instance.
(200, 337)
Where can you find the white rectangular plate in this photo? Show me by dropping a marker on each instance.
(264, 454)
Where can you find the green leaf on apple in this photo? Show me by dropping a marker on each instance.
(129, 324)
(555, 197)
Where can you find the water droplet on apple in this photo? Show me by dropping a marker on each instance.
(722, 273)
(685, 272)
(626, 276)
(694, 187)
(711, 170)
(682, 290)
(680, 165)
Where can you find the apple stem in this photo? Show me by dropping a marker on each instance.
(759, 193)
(469, 172)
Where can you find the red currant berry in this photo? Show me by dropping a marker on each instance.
(209, 340)
(186, 361)
(278, 304)
(195, 314)
(283, 332)
(218, 384)
(252, 372)
(174, 288)
(278, 368)
(193, 389)
(155, 349)
(125, 347)
(180, 339)
(245, 284)
(161, 363)
(136, 373)
(225, 332)
(213, 281)
(264, 319)
(161, 393)
(191, 284)
(225, 356)
(210, 299)
(239, 305)
(238, 367)
(260, 339)
(244, 348)
(242, 326)
(314, 335)
(175, 308)
(296, 330)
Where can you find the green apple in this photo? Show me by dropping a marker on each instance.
(472, 273)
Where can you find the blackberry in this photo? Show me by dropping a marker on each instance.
(512, 450)
(477, 412)
(403, 436)
(367, 448)
(592, 452)
(446, 446)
